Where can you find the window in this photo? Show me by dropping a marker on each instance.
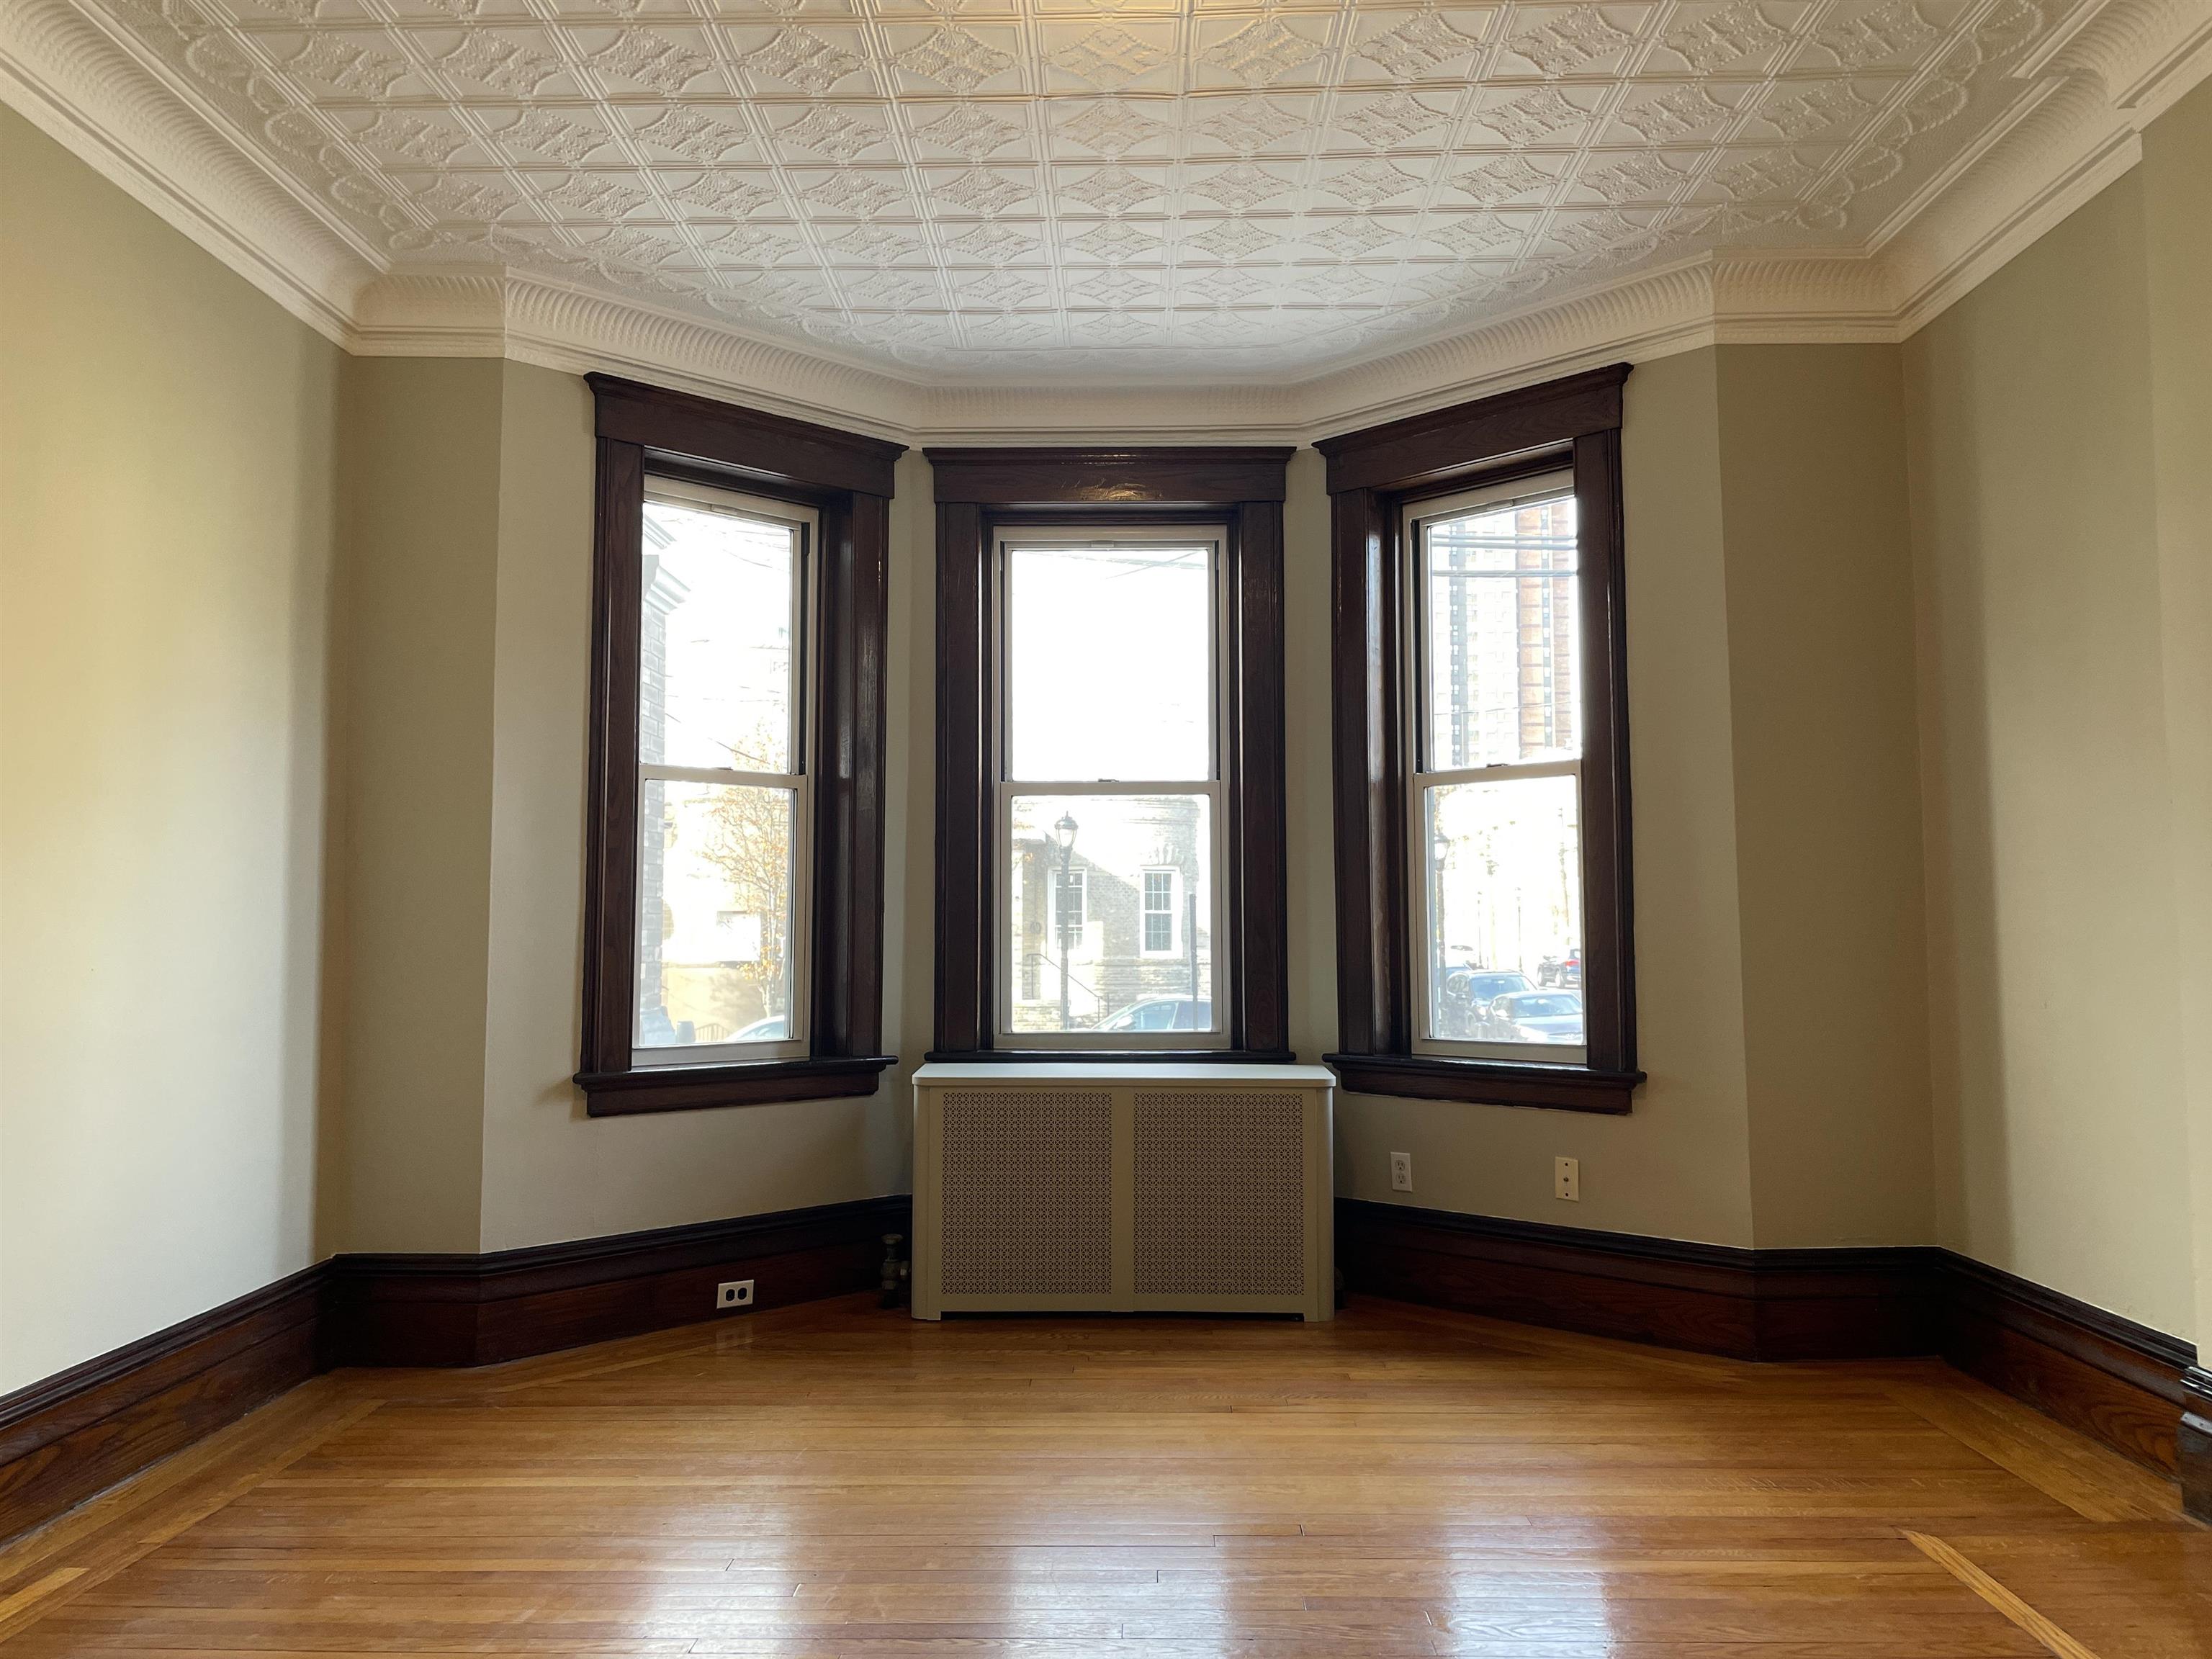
(1484, 917)
(1494, 793)
(1109, 734)
(733, 943)
(723, 791)
(1160, 911)
(1111, 752)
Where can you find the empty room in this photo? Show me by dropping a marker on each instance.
(1106, 829)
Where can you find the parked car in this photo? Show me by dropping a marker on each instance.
(1161, 1014)
(770, 1030)
(1536, 1017)
(1564, 971)
(1467, 994)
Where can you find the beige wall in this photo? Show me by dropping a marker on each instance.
(466, 608)
(2060, 1134)
(2177, 218)
(1819, 627)
(1680, 1165)
(166, 513)
(549, 1172)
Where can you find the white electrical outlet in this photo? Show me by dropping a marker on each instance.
(734, 1293)
(1402, 1172)
(1567, 1179)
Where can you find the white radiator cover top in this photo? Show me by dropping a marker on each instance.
(1123, 1185)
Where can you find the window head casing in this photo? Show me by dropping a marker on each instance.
(1484, 935)
(733, 915)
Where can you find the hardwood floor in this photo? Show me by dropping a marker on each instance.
(835, 1481)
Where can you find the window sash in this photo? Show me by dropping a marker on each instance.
(800, 702)
(1214, 538)
(1417, 686)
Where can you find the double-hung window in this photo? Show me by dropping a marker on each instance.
(723, 790)
(1110, 800)
(1111, 869)
(1485, 936)
(733, 862)
(1494, 795)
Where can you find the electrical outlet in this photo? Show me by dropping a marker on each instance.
(1402, 1172)
(734, 1293)
(1567, 1179)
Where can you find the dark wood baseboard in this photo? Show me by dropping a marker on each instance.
(81, 1430)
(424, 1310)
(2193, 1448)
(1746, 1304)
(2118, 1381)
(78, 1432)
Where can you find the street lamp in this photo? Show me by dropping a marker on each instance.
(1063, 833)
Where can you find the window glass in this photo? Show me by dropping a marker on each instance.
(1084, 874)
(717, 675)
(720, 794)
(1504, 910)
(1110, 656)
(715, 903)
(1501, 636)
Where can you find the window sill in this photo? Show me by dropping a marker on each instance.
(1116, 1056)
(1489, 1083)
(696, 1088)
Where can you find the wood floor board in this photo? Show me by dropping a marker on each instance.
(838, 1481)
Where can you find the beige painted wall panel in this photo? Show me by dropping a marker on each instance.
(2177, 184)
(1827, 792)
(1679, 1166)
(415, 615)
(165, 522)
(548, 1171)
(2056, 1074)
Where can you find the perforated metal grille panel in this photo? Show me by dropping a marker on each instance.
(1029, 1193)
(1221, 1203)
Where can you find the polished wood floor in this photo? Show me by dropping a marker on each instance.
(836, 1480)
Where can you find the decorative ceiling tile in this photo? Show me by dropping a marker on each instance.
(1708, 39)
(969, 129)
(1568, 39)
(1420, 45)
(1113, 126)
(831, 131)
(953, 57)
(1537, 116)
(799, 58)
(1244, 126)
(997, 184)
(1393, 119)
(1232, 239)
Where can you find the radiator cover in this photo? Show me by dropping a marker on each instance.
(1123, 1187)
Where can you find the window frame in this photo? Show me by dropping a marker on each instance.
(846, 482)
(1374, 475)
(1238, 492)
(1215, 538)
(805, 715)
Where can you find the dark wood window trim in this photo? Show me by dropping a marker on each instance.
(1371, 476)
(977, 489)
(848, 480)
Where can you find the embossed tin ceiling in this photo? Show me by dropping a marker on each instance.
(1017, 189)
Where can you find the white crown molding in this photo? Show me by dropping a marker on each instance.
(74, 83)
(2102, 76)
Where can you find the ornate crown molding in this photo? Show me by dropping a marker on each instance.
(2101, 75)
